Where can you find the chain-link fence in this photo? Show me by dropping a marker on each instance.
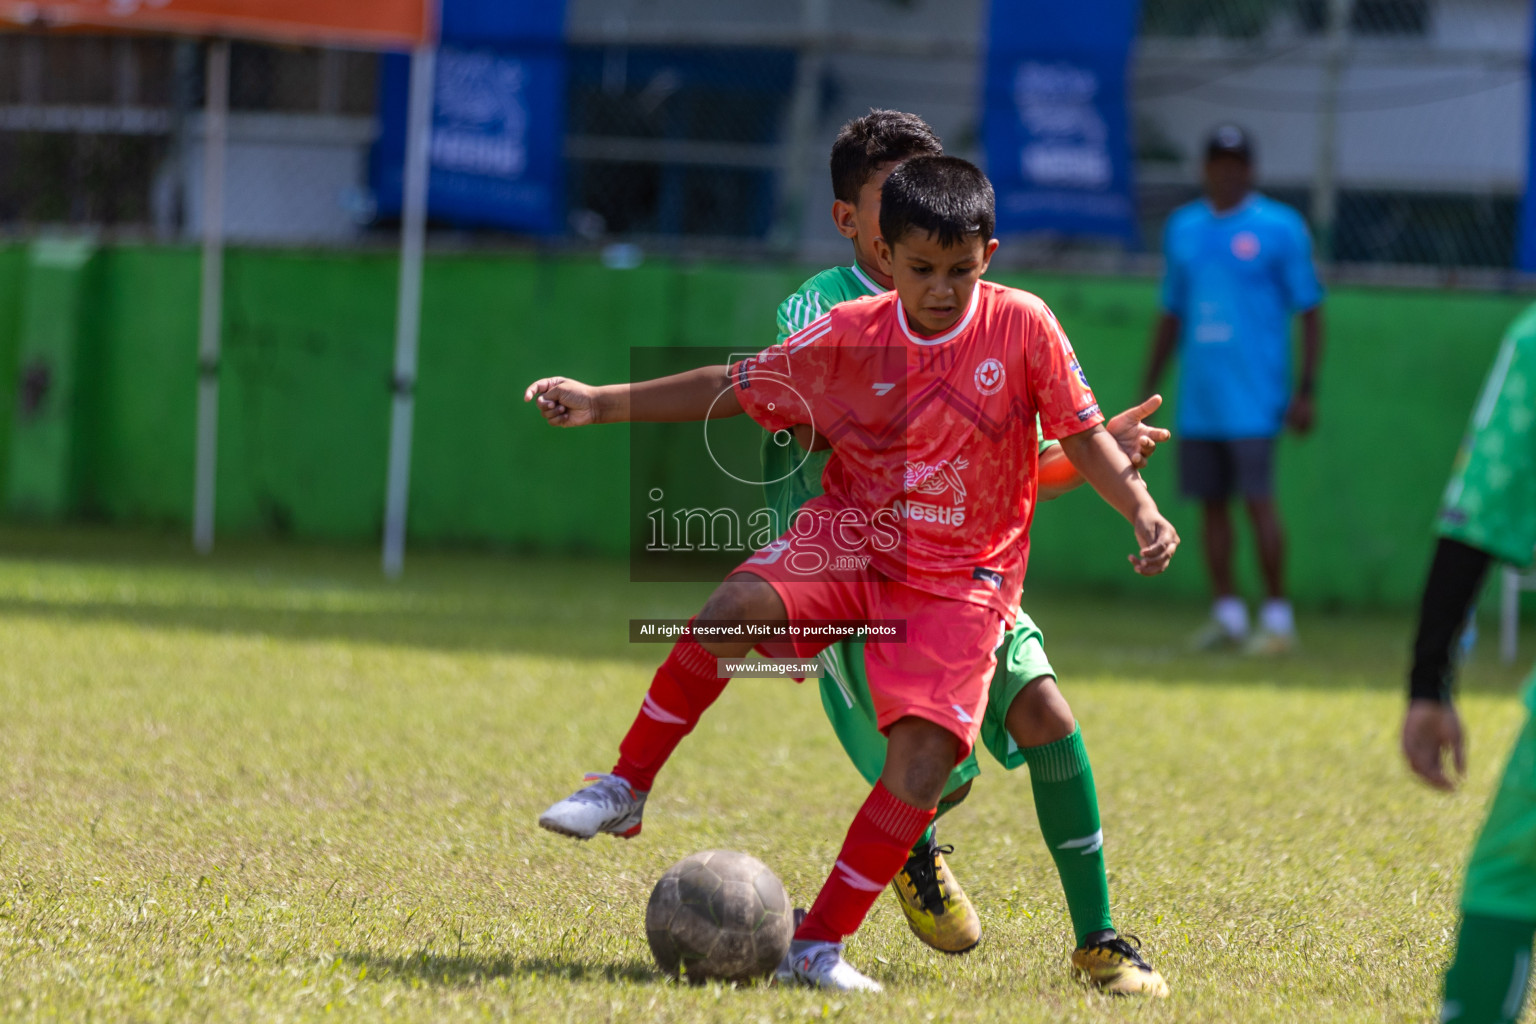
(106, 133)
(1398, 126)
(676, 142)
(85, 124)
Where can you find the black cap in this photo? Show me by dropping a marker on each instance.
(1229, 140)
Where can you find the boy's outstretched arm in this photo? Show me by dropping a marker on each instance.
(1100, 460)
(1131, 433)
(705, 393)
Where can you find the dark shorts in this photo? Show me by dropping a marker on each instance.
(1217, 470)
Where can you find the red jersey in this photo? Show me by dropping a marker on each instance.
(934, 439)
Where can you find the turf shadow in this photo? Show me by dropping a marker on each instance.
(579, 608)
(475, 631)
(461, 971)
(1369, 654)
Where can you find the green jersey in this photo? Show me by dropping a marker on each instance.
(791, 475)
(1490, 503)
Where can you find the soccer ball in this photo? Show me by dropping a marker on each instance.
(719, 915)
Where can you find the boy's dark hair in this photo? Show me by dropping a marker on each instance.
(879, 137)
(944, 196)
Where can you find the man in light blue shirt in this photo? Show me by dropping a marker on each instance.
(1238, 268)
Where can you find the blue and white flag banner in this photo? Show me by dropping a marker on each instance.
(498, 119)
(1056, 121)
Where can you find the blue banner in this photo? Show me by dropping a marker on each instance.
(500, 22)
(1055, 114)
(498, 119)
(497, 124)
(1525, 257)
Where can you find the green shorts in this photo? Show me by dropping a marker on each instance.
(1501, 876)
(845, 696)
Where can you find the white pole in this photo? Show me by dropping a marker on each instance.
(810, 65)
(1325, 185)
(211, 299)
(413, 224)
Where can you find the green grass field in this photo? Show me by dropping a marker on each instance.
(270, 786)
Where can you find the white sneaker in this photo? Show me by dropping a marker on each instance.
(1215, 636)
(821, 965)
(609, 805)
(1269, 643)
(784, 974)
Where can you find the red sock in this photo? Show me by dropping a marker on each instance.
(878, 844)
(683, 689)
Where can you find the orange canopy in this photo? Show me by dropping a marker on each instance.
(374, 24)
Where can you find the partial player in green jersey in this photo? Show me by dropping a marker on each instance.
(1488, 515)
(1027, 720)
(791, 472)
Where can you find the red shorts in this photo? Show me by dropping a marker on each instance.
(943, 670)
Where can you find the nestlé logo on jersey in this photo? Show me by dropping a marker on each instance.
(933, 481)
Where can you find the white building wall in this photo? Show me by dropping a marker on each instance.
(293, 178)
(1446, 112)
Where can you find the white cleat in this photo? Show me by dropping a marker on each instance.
(821, 965)
(609, 805)
(784, 974)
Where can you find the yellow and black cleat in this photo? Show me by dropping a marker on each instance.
(1114, 965)
(937, 909)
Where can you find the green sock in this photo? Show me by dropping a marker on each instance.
(1487, 980)
(945, 806)
(1068, 808)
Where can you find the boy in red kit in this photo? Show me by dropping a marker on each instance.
(928, 396)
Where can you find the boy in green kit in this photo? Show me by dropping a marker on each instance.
(1488, 516)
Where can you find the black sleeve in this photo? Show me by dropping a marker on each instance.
(1455, 577)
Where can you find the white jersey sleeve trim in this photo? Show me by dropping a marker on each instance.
(814, 331)
(866, 281)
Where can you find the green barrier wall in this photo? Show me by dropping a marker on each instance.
(12, 262)
(1400, 373)
(304, 411)
(43, 475)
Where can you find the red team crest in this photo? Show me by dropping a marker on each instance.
(989, 377)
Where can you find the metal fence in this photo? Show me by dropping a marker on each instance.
(1398, 126)
(106, 133)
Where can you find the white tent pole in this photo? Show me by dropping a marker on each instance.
(1325, 175)
(211, 304)
(413, 224)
